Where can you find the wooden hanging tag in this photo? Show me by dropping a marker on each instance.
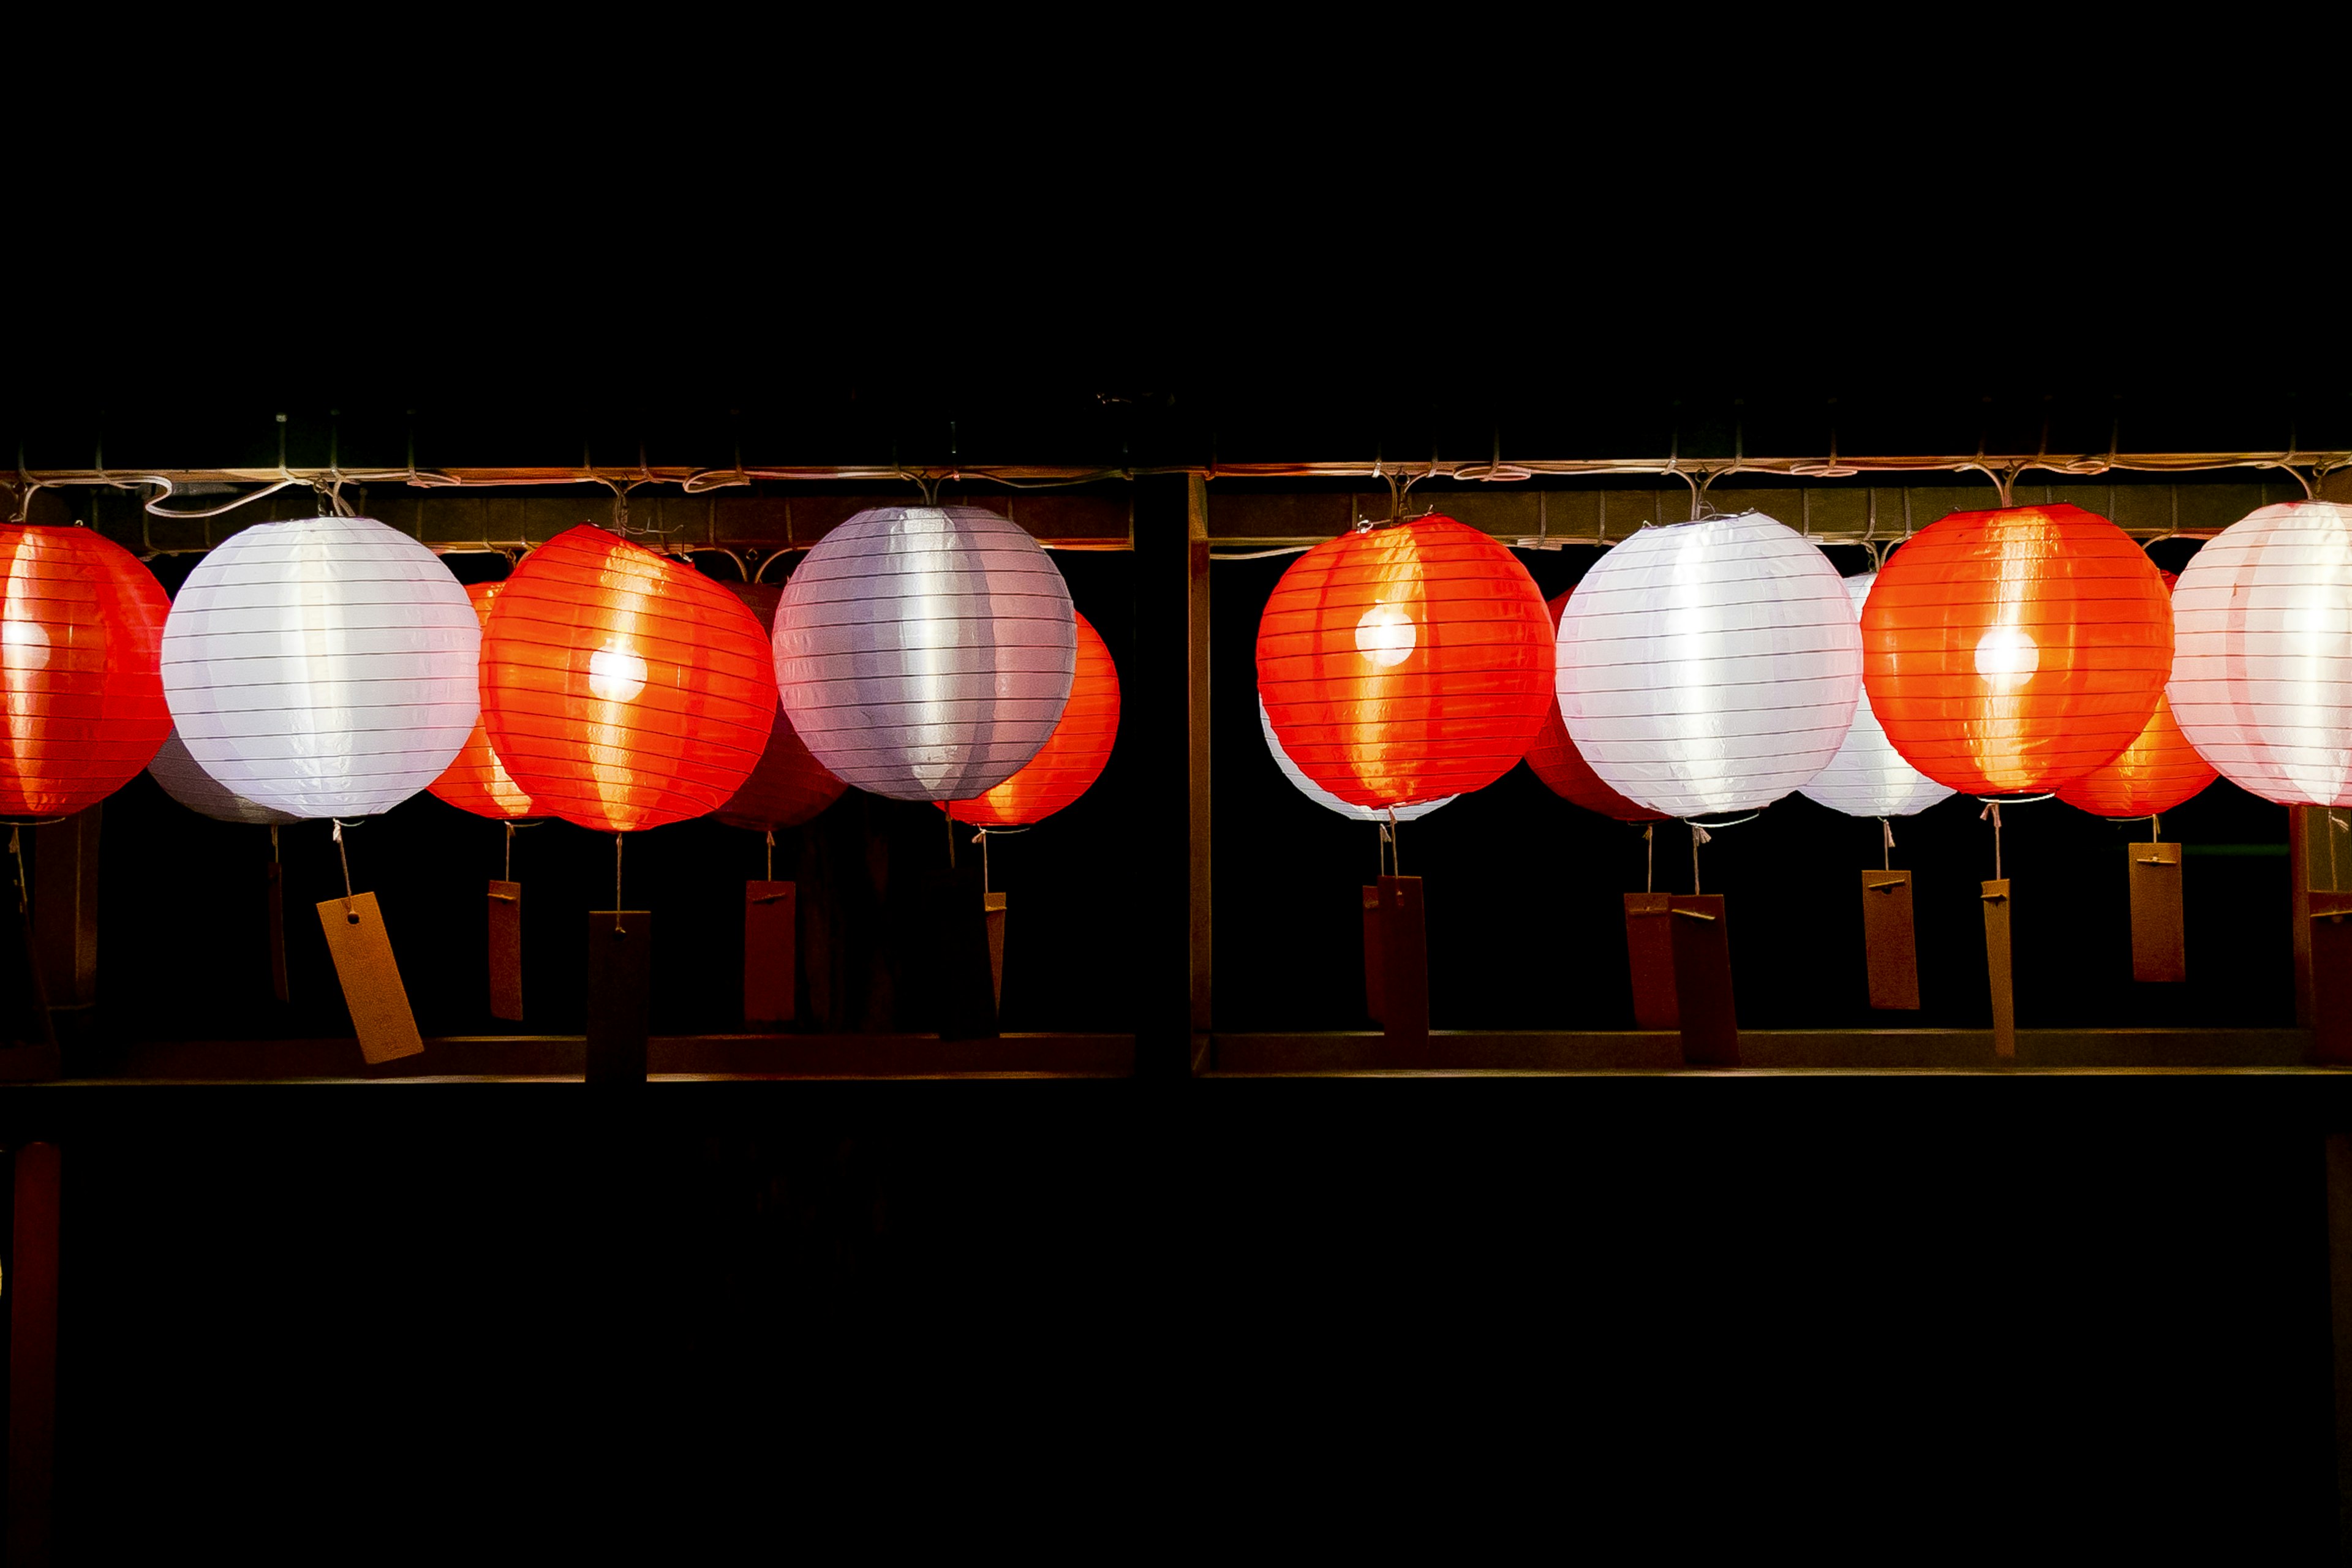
(769, 978)
(277, 931)
(2160, 950)
(506, 950)
(1404, 968)
(1702, 966)
(2331, 975)
(1889, 944)
(1372, 953)
(372, 987)
(1997, 967)
(993, 903)
(620, 983)
(1650, 945)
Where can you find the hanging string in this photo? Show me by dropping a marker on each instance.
(1698, 836)
(1396, 845)
(508, 875)
(345, 857)
(618, 928)
(1887, 833)
(771, 854)
(951, 821)
(982, 837)
(273, 844)
(16, 853)
(1649, 856)
(1992, 811)
(2155, 829)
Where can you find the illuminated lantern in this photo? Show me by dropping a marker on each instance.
(789, 786)
(478, 781)
(2262, 677)
(2155, 772)
(1868, 777)
(1325, 798)
(184, 781)
(1709, 667)
(925, 652)
(80, 624)
(1069, 763)
(1555, 759)
(322, 667)
(1406, 662)
(2009, 652)
(623, 690)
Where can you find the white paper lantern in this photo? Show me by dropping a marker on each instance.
(1711, 667)
(185, 781)
(1325, 798)
(1868, 777)
(322, 667)
(2261, 653)
(925, 652)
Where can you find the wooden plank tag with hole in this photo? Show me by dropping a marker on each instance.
(277, 930)
(1372, 953)
(506, 950)
(1702, 961)
(2331, 977)
(2160, 947)
(620, 983)
(1650, 947)
(769, 969)
(993, 903)
(371, 980)
(1889, 944)
(1404, 968)
(1997, 969)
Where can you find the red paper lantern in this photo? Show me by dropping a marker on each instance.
(2012, 652)
(1555, 759)
(1066, 766)
(789, 786)
(623, 690)
(2155, 772)
(81, 647)
(1406, 662)
(478, 781)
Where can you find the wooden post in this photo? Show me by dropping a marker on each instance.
(1702, 960)
(993, 903)
(2330, 933)
(2159, 949)
(770, 924)
(1997, 968)
(1164, 686)
(1890, 944)
(1404, 972)
(620, 980)
(506, 950)
(31, 1288)
(1373, 919)
(1650, 954)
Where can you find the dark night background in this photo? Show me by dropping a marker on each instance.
(1889, 1317)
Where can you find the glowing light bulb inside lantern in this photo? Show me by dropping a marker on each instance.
(615, 674)
(1385, 636)
(24, 645)
(2007, 658)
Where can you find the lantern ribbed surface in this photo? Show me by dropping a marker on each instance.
(788, 786)
(1555, 759)
(1868, 777)
(322, 667)
(925, 652)
(2156, 772)
(1071, 760)
(2262, 676)
(621, 689)
(185, 781)
(1325, 798)
(1709, 667)
(2009, 652)
(1406, 662)
(478, 781)
(81, 627)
